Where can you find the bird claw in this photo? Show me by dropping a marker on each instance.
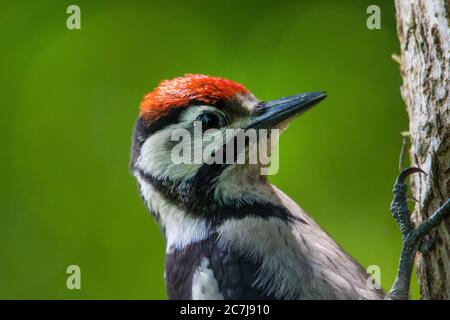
(412, 237)
(399, 204)
(406, 173)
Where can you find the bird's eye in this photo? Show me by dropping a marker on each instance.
(209, 121)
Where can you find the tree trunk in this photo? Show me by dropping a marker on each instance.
(423, 28)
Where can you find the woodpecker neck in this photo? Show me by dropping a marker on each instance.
(219, 195)
(188, 215)
(178, 227)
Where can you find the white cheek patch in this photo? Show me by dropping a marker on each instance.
(162, 153)
(156, 157)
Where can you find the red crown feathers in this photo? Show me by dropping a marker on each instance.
(182, 91)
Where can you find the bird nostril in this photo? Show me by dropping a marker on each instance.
(260, 108)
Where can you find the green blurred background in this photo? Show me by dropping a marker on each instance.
(69, 100)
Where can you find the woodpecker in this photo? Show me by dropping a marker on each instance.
(230, 233)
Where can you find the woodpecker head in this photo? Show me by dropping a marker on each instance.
(205, 107)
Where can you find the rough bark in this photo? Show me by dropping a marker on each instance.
(423, 28)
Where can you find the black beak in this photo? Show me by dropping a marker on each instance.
(271, 113)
